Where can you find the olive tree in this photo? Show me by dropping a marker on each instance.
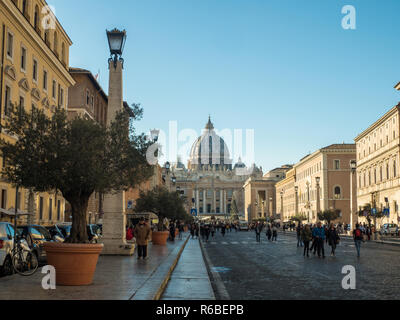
(76, 157)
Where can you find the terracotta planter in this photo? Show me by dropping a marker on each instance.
(75, 264)
(160, 238)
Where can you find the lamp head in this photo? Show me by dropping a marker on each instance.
(116, 41)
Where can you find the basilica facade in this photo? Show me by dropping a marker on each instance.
(211, 183)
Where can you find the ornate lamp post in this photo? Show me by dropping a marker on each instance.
(296, 191)
(114, 221)
(282, 213)
(318, 180)
(353, 166)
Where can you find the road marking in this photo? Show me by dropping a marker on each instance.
(213, 242)
(224, 243)
(235, 242)
(244, 242)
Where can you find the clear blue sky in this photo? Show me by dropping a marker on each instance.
(284, 68)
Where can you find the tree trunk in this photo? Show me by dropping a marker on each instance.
(79, 224)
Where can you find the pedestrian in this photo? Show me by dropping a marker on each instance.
(172, 231)
(298, 232)
(358, 238)
(223, 229)
(319, 235)
(196, 231)
(274, 233)
(129, 234)
(258, 232)
(142, 234)
(207, 232)
(212, 229)
(269, 233)
(333, 238)
(192, 229)
(181, 230)
(306, 237)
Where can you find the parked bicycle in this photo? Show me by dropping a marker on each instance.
(24, 260)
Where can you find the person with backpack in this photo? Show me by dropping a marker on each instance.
(358, 238)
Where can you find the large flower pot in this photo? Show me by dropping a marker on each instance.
(75, 264)
(160, 238)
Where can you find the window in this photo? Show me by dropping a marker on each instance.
(209, 208)
(3, 199)
(41, 208)
(45, 80)
(22, 102)
(87, 97)
(63, 53)
(55, 43)
(381, 174)
(50, 209)
(24, 7)
(394, 169)
(387, 171)
(375, 175)
(36, 18)
(338, 193)
(35, 70)
(7, 101)
(54, 89)
(10, 45)
(337, 164)
(46, 37)
(61, 97)
(23, 59)
(58, 210)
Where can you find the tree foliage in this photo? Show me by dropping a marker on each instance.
(76, 157)
(299, 218)
(366, 212)
(163, 203)
(329, 215)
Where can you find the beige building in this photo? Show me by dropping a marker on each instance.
(260, 198)
(211, 184)
(286, 196)
(34, 74)
(323, 182)
(378, 179)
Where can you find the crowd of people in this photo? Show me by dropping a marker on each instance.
(205, 230)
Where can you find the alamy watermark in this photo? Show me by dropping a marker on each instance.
(349, 20)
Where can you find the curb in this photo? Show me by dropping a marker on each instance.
(164, 284)
(217, 284)
(154, 286)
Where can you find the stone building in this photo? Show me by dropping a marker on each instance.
(323, 181)
(260, 195)
(211, 183)
(34, 73)
(378, 179)
(286, 196)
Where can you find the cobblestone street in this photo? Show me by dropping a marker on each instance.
(253, 271)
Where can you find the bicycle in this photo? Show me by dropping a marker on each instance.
(24, 261)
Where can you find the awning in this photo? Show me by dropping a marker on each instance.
(11, 212)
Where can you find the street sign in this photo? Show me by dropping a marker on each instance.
(373, 211)
(386, 212)
(130, 204)
(193, 212)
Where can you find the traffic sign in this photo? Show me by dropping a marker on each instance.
(193, 212)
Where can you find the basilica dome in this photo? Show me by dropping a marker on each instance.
(210, 151)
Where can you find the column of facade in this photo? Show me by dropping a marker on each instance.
(197, 201)
(221, 201)
(225, 203)
(204, 201)
(214, 201)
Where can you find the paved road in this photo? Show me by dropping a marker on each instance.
(253, 271)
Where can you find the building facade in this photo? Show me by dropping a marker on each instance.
(212, 184)
(34, 74)
(323, 182)
(286, 196)
(260, 195)
(378, 179)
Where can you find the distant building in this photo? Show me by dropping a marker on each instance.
(260, 195)
(331, 165)
(286, 196)
(378, 178)
(211, 183)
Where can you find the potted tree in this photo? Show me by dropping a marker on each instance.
(166, 205)
(75, 157)
(329, 215)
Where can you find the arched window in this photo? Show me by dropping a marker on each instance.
(338, 193)
(24, 7)
(394, 169)
(387, 171)
(36, 18)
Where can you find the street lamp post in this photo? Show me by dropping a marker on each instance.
(271, 208)
(353, 166)
(318, 180)
(282, 214)
(262, 208)
(114, 208)
(296, 190)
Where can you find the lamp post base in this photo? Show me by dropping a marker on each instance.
(117, 248)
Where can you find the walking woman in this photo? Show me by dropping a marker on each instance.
(333, 238)
(306, 237)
